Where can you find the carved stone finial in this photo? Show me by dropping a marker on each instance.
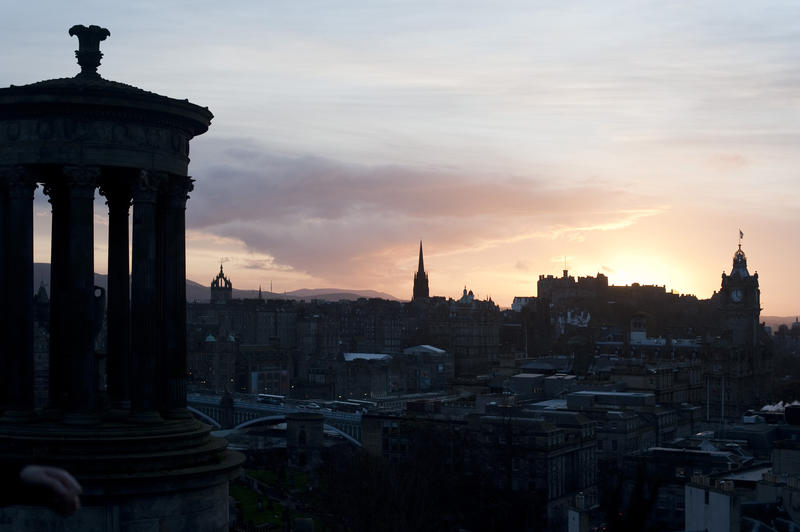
(88, 52)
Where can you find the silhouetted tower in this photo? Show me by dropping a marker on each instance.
(741, 301)
(420, 279)
(221, 288)
(304, 436)
(41, 307)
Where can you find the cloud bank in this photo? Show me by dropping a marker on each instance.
(341, 221)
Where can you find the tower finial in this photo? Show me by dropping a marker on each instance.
(88, 52)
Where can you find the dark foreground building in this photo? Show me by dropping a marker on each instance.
(143, 461)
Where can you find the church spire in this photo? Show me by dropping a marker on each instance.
(420, 279)
(221, 287)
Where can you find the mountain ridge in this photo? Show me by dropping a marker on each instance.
(196, 292)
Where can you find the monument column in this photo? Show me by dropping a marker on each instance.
(174, 290)
(17, 363)
(56, 190)
(5, 303)
(78, 307)
(118, 198)
(146, 308)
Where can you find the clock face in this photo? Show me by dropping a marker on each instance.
(736, 295)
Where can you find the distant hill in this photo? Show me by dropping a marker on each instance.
(198, 292)
(339, 293)
(41, 276)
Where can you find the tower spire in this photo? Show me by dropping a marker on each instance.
(221, 287)
(420, 279)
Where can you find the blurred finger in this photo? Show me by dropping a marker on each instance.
(67, 480)
(55, 486)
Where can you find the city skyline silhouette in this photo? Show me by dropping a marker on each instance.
(505, 137)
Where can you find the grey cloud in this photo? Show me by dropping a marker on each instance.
(326, 217)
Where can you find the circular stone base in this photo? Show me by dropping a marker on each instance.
(203, 509)
(136, 477)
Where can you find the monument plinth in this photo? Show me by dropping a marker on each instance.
(142, 459)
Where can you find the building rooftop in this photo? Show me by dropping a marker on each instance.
(349, 357)
(550, 404)
(612, 394)
(424, 347)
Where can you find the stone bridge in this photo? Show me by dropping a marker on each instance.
(241, 413)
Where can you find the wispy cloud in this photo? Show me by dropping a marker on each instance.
(326, 217)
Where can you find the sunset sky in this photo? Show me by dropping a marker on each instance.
(633, 138)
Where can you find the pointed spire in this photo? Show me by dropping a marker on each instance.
(420, 279)
(221, 287)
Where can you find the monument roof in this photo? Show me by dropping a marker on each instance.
(89, 90)
(100, 92)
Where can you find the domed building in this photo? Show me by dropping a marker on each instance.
(144, 462)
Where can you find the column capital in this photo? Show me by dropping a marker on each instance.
(19, 180)
(177, 191)
(82, 180)
(53, 190)
(147, 186)
(117, 193)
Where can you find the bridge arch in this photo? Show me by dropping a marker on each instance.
(343, 433)
(283, 418)
(258, 420)
(205, 417)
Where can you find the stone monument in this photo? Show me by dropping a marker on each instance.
(144, 462)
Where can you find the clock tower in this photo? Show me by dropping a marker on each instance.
(738, 368)
(740, 301)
